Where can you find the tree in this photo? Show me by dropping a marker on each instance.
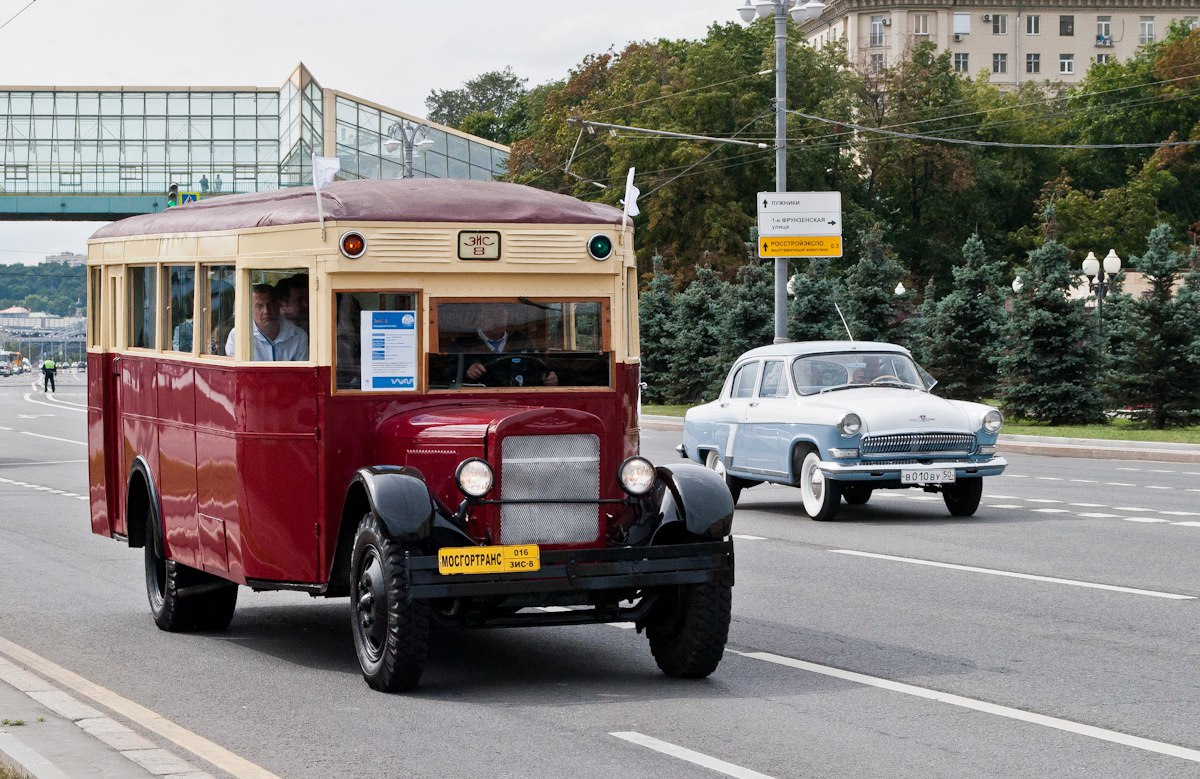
(656, 323)
(957, 336)
(697, 370)
(486, 99)
(811, 312)
(1152, 338)
(1049, 367)
(750, 317)
(868, 299)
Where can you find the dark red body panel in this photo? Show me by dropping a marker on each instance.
(251, 463)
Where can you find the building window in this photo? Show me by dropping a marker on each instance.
(877, 63)
(999, 24)
(921, 24)
(1066, 25)
(999, 63)
(1103, 59)
(1104, 31)
(1033, 63)
(962, 24)
(876, 31)
(16, 172)
(70, 179)
(131, 172)
(961, 63)
(1033, 25)
(1147, 30)
(1066, 64)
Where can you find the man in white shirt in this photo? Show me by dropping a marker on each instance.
(273, 337)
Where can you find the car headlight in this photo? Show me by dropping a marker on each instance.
(992, 421)
(850, 425)
(474, 477)
(636, 475)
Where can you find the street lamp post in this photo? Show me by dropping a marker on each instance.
(1100, 277)
(407, 135)
(779, 8)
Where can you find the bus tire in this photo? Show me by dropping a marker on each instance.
(391, 631)
(182, 598)
(688, 628)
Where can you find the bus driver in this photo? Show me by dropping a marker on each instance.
(273, 337)
(492, 335)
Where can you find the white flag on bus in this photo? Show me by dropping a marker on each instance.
(324, 169)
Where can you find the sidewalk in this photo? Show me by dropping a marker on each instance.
(1042, 445)
(46, 733)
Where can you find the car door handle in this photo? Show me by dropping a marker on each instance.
(754, 403)
(723, 405)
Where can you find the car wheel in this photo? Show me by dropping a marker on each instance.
(820, 495)
(209, 601)
(391, 632)
(688, 628)
(856, 495)
(713, 461)
(962, 497)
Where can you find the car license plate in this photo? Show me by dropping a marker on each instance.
(927, 476)
(489, 559)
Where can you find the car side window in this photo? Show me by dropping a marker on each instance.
(774, 380)
(744, 380)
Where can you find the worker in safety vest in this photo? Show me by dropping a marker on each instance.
(48, 371)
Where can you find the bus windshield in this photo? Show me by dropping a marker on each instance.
(519, 342)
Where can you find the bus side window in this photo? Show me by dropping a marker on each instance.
(218, 313)
(181, 301)
(143, 306)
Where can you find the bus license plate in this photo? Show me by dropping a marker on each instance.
(927, 476)
(489, 559)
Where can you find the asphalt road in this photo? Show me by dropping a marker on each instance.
(1053, 634)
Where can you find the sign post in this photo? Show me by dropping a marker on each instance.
(800, 224)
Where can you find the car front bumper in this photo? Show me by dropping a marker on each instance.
(890, 471)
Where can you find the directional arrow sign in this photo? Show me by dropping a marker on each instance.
(801, 215)
(800, 246)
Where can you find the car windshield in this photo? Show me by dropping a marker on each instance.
(826, 372)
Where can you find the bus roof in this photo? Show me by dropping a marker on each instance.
(371, 200)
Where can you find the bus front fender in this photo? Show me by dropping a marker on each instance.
(400, 499)
(696, 497)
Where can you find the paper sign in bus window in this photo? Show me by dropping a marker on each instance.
(388, 351)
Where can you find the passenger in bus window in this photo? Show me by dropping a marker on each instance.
(293, 295)
(493, 336)
(273, 337)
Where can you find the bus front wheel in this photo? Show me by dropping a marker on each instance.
(391, 632)
(688, 628)
(182, 598)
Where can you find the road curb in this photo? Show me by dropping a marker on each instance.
(1086, 448)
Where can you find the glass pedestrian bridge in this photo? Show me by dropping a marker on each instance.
(101, 153)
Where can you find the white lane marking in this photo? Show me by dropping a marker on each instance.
(1160, 470)
(1014, 575)
(199, 746)
(55, 462)
(1128, 469)
(691, 756)
(57, 404)
(1087, 505)
(1006, 497)
(1098, 515)
(1103, 734)
(1043, 500)
(1085, 481)
(1131, 508)
(1180, 513)
(1016, 476)
(1050, 511)
(1156, 487)
(1118, 484)
(1048, 478)
(1144, 519)
(54, 438)
(745, 537)
(1187, 524)
(41, 488)
(1003, 506)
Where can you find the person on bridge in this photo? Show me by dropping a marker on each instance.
(48, 371)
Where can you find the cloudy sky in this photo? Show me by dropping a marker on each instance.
(392, 52)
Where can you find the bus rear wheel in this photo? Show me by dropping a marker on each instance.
(688, 628)
(182, 598)
(391, 631)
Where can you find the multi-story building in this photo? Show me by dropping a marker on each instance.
(1016, 40)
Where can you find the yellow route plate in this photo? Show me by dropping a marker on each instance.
(489, 559)
(800, 246)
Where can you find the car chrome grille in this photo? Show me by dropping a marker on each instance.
(919, 444)
(549, 467)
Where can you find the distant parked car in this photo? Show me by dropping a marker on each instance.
(841, 419)
(6, 369)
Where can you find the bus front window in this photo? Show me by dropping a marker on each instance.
(519, 343)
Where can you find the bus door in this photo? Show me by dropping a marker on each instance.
(108, 378)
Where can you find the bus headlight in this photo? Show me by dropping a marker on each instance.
(474, 478)
(992, 421)
(636, 476)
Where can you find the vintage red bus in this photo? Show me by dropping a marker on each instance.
(427, 402)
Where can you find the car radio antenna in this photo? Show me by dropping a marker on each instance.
(849, 334)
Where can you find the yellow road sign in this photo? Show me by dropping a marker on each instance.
(800, 246)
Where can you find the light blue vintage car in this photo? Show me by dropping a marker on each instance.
(840, 419)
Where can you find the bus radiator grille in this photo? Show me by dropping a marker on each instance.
(549, 467)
